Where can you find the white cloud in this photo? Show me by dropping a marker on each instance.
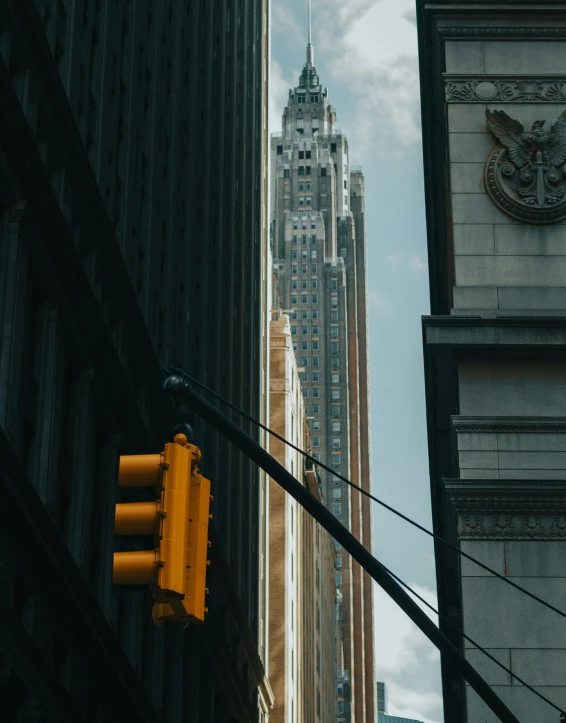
(407, 260)
(406, 661)
(278, 94)
(379, 303)
(371, 48)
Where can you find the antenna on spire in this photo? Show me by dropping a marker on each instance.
(310, 52)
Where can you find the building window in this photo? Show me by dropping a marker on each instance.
(300, 99)
(308, 183)
(333, 148)
(335, 347)
(336, 460)
(315, 330)
(294, 239)
(294, 299)
(304, 377)
(316, 441)
(294, 284)
(334, 332)
(343, 253)
(315, 299)
(294, 330)
(305, 314)
(315, 361)
(294, 315)
(314, 283)
(313, 239)
(301, 170)
(304, 240)
(336, 379)
(316, 425)
(301, 154)
(305, 393)
(336, 481)
(294, 269)
(304, 299)
(313, 254)
(335, 410)
(336, 443)
(308, 200)
(315, 314)
(314, 98)
(304, 268)
(304, 330)
(307, 170)
(315, 346)
(345, 185)
(313, 268)
(304, 346)
(337, 493)
(306, 363)
(301, 186)
(306, 408)
(323, 171)
(315, 376)
(316, 409)
(316, 392)
(336, 509)
(307, 154)
(295, 254)
(295, 346)
(301, 200)
(279, 150)
(317, 457)
(286, 173)
(335, 426)
(335, 395)
(334, 284)
(334, 316)
(304, 254)
(334, 299)
(336, 363)
(304, 284)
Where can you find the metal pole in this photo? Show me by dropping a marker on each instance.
(176, 384)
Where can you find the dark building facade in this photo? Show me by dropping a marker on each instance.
(132, 226)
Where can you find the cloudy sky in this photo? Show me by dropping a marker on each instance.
(366, 53)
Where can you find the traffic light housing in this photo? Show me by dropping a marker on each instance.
(175, 567)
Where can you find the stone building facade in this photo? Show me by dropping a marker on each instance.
(133, 235)
(493, 98)
(318, 246)
(304, 649)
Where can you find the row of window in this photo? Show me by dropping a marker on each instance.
(304, 254)
(305, 315)
(305, 186)
(305, 201)
(304, 299)
(295, 239)
(304, 268)
(334, 346)
(303, 224)
(316, 361)
(315, 377)
(304, 284)
(335, 442)
(334, 410)
(305, 330)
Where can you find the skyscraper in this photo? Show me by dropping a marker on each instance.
(318, 247)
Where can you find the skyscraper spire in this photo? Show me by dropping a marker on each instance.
(310, 51)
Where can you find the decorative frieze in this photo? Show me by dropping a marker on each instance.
(504, 89)
(500, 32)
(512, 527)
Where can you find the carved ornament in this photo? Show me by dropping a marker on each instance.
(512, 527)
(504, 90)
(525, 174)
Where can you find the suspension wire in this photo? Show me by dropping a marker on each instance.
(473, 642)
(368, 494)
(176, 385)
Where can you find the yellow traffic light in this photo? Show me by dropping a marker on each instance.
(175, 568)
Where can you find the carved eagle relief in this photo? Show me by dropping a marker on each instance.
(525, 175)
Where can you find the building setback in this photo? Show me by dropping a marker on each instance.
(303, 654)
(132, 235)
(318, 247)
(492, 88)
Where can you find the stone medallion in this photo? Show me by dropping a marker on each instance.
(525, 175)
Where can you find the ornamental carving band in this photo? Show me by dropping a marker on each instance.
(465, 90)
(512, 527)
(525, 175)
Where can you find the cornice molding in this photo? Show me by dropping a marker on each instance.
(539, 425)
(501, 32)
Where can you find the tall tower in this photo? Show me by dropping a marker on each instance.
(318, 246)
